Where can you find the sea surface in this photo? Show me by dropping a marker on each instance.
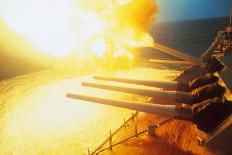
(37, 118)
(192, 36)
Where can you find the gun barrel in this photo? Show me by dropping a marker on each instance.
(173, 95)
(179, 54)
(172, 111)
(170, 62)
(161, 84)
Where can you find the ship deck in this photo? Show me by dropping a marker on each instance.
(175, 137)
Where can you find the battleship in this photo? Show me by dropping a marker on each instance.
(201, 95)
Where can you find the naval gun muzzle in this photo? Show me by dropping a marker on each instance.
(173, 111)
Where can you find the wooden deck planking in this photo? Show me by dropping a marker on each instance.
(175, 137)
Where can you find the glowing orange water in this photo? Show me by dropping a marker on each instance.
(45, 122)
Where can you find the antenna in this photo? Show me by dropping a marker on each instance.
(230, 15)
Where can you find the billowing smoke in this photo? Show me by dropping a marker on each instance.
(106, 29)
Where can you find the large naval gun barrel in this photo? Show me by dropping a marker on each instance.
(173, 95)
(166, 85)
(213, 64)
(205, 93)
(173, 111)
(170, 62)
(181, 55)
(172, 85)
(207, 116)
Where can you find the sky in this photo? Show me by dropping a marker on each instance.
(172, 10)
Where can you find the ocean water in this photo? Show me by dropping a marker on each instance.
(193, 36)
(38, 119)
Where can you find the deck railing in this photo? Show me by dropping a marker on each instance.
(109, 139)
